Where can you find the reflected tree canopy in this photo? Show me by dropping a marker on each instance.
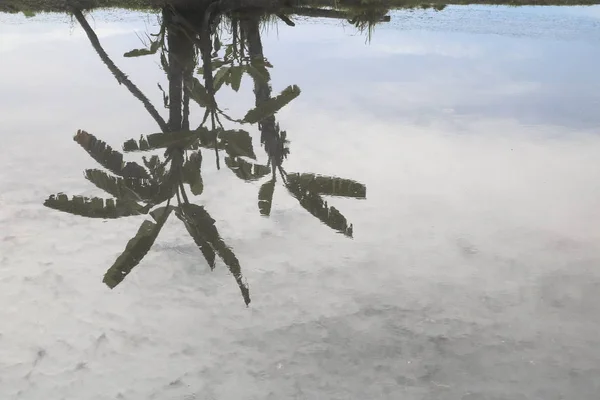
(201, 50)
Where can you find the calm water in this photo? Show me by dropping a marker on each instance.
(474, 271)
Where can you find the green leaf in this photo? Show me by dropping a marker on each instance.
(237, 143)
(217, 44)
(158, 213)
(107, 157)
(138, 53)
(206, 138)
(124, 189)
(236, 77)
(94, 207)
(314, 204)
(100, 151)
(259, 75)
(166, 188)
(156, 168)
(111, 185)
(136, 248)
(272, 105)
(199, 94)
(162, 188)
(161, 140)
(228, 77)
(215, 63)
(192, 174)
(265, 197)
(133, 145)
(220, 77)
(196, 228)
(154, 46)
(261, 62)
(201, 227)
(246, 170)
(134, 170)
(330, 185)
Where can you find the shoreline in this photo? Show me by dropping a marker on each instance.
(16, 6)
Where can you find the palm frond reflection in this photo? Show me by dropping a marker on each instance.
(199, 57)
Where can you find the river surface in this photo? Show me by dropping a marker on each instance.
(474, 271)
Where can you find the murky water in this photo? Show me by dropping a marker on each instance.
(474, 268)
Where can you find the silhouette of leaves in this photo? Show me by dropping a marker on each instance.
(166, 189)
(156, 168)
(246, 170)
(154, 46)
(191, 173)
(195, 229)
(107, 157)
(236, 77)
(124, 189)
(220, 77)
(93, 207)
(272, 105)
(258, 74)
(133, 185)
(237, 143)
(201, 227)
(136, 248)
(199, 94)
(261, 64)
(314, 204)
(329, 185)
(160, 140)
(265, 197)
(215, 63)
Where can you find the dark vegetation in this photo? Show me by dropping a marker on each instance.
(201, 51)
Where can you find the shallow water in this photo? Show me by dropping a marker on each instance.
(473, 271)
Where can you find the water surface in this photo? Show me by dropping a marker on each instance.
(473, 271)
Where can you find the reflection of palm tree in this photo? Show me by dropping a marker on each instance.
(149, 189)
(306, 188)
(137, 190)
